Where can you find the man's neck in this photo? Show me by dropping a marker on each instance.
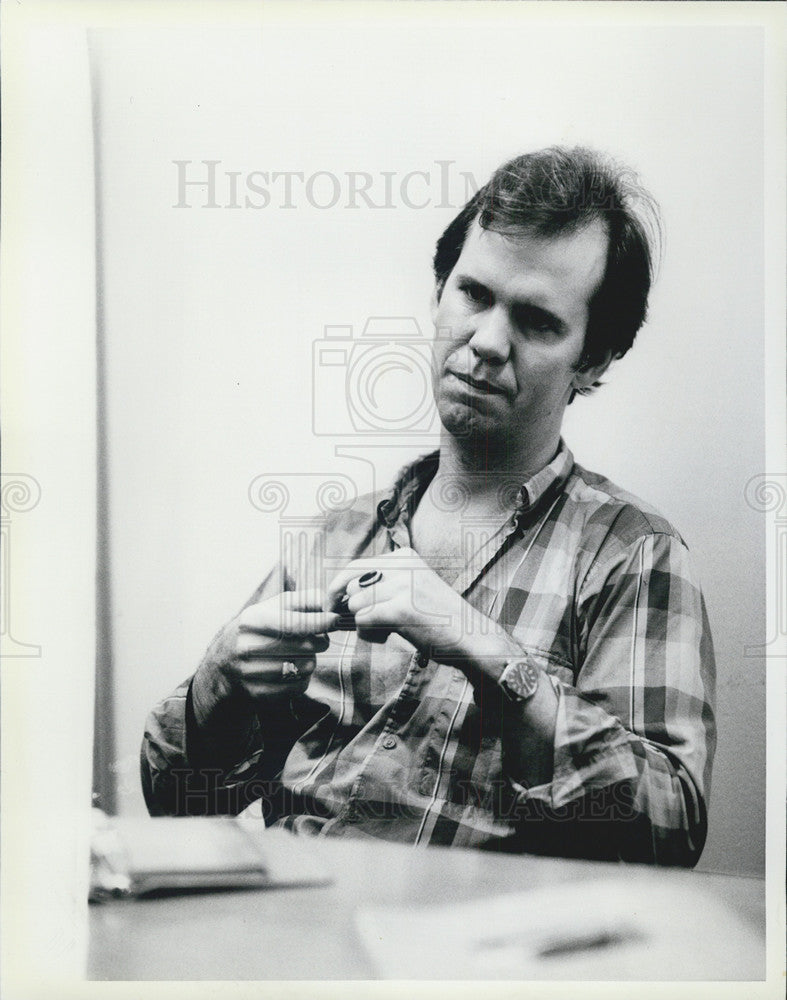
(481, 468)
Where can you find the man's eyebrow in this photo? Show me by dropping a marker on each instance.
(532, 310)
(520, 307)
(470, 279)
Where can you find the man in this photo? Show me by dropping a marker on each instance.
(546, 686)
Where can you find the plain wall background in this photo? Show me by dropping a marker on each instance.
(210, 315)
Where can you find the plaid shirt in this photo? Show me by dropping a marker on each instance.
(597, 590)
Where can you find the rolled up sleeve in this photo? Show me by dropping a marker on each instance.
(179, 780)
(635, 734)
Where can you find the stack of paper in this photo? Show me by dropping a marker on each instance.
(136, 856)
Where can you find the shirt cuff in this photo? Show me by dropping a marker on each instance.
(592, 751)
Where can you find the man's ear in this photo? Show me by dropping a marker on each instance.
(434, 302)
(587, 375)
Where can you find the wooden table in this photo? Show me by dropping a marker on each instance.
(309, 932)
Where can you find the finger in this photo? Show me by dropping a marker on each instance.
(274, 680)
(259, 666)
(362, 584)
(380, 614)
(360, 599)
(307, 623)
(338, 584)
(276, 622)
(373, 633)
(251, 645)
(270, 692)
(317, 643)
(370, 624)
(301, 600)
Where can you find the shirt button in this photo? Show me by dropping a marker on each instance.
(389, 742)
(425, 787)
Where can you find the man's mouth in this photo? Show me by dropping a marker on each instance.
(479, 384)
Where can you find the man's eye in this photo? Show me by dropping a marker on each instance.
(476, 293)
(533, 321)
(541, 326)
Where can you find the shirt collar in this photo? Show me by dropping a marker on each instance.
(548, 481)
(414, 478)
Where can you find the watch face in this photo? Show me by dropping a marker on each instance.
(519, 679)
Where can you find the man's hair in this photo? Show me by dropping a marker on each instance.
(558, 191)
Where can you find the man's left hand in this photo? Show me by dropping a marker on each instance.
(412, 600)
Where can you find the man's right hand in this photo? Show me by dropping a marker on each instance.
(266, 652)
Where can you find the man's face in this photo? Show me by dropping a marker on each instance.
(511, 324)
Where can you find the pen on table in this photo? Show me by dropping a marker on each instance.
(569, 944)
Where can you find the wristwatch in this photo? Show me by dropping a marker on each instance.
(519, 679)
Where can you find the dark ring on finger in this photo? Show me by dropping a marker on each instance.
(369, 579)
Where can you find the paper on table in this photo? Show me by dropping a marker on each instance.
(616, 929)
(135, 856)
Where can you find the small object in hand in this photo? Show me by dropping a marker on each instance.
(288, 670)
(346, 621)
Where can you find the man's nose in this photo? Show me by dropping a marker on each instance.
(491, 339)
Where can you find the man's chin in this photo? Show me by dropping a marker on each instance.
(468, 424)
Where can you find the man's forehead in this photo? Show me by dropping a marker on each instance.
(576, 256)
